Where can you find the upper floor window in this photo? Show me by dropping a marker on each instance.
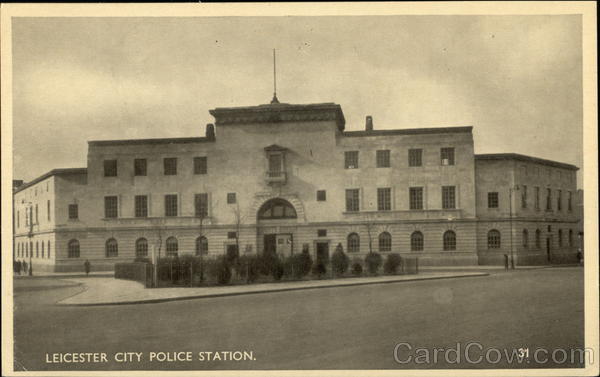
(72, 249)
(559, 200)
(416, 197)
(351, 159)
(170, 165)
(383, 158)
(384, 199)
(232, 235)
(449, 240)
(18, 219)
(352, 200)
(448, 197)
(73, 211)
(48, 209)
(321, 232)
(139, 167)
(110, 168)
(524, 196)
(321, 195)
(141, 206)
(200, 165)
(275, 162)
(37, 219)
(110, 206)
(171, 205)
(537, 198)
(201, 205)
(548, 199)
(277, 209)
(415, 157)
(492, 200)
(569, 201)
(231, 199)
(385, 242)
(493, 239)
(447, 156)
(416, 241)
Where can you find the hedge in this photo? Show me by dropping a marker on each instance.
(137, 271)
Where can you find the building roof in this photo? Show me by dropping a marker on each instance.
(410, 131)
(52, 172)
(280, 112)
(176, 140)
(521, 157)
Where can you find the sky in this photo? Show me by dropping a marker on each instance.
(516, 79)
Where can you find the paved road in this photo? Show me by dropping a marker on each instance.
(346, 328)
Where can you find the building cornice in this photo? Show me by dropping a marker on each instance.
(63, 171)
(410, 131)
(521, 157)
(176, 140)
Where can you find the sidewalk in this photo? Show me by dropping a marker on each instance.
(43, 274)
(481, 268)
(110, 291)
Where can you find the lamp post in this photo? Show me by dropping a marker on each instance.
(510, 216)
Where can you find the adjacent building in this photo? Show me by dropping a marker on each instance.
(285, 178)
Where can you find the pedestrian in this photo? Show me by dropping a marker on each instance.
(24, 267)
(579, 256)
(506, 262)
(19, 266)
(86, 265)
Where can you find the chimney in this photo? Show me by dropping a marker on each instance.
(369, 123)
(210, 131)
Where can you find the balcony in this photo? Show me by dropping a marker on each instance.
(276, 177)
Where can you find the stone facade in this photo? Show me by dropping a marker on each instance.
(301, 157)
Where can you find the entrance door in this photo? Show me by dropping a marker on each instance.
(284, 245)
(270, 244)
(323, 252)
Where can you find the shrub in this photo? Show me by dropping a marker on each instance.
(142, 260)
(249, 267)
(277, 270)
(373, 262)
(141, 272)
(392, 262)
(219, 270)
(305, 262)
(297, 265)
(319, 269)
(339, 261)
(357, 269)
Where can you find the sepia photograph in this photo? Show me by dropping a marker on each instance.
(334, 188)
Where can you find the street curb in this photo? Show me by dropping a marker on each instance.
(167, 299)
(58, 276)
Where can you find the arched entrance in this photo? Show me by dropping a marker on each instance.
(276, 220)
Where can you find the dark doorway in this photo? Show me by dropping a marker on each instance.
(270, 244)
(323, 252)
(548, 248)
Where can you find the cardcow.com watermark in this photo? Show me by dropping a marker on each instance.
(476, 353)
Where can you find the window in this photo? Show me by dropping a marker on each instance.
(141, 206)
(351, 159)
(37, 219)
(231, 198)
(448, 197)
(37, 249)
(72, 249)
(569, 201)
(493, 239)
(321, 232)
(201, 205)
(112, 248)
(18, 219)
(560, 237)
(73, 211)
(415, 157)
(538, 239)
(352, 200)
(447, 156)
(492, 200)
(382, 158)
(48, 249)
(570, 237)
(524, 196)
(559, 200)
(170, 165)
(548, 199)
(449, 240)
(110, 207)
(42, 243)
(232, 235)
(525, 238)
(201, 246)
(172, 247)
(139, 167)
(353, 243)
(48, 209)
(171, 205)
(275, 164)
(141, 247)
(110, 168)
(277, 209)
(385, 242)
(321, 195)
(416, 197)
(537, 198)
(200, 165)
(384, 199)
